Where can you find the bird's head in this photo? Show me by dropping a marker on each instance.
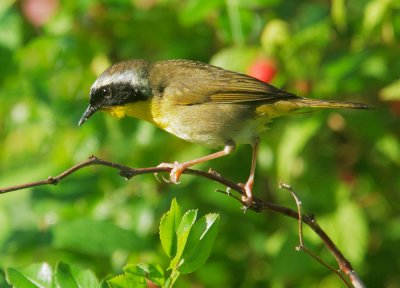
(122, 83)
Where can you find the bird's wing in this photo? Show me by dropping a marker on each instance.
(199, 83)
(240, 88)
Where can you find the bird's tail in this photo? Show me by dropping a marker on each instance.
(289, 105)
(317, 103)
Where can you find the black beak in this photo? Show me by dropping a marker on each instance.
(87, 114)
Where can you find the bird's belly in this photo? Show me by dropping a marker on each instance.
(214, 126)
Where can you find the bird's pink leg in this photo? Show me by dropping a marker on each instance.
(248, 187)
(178, 168)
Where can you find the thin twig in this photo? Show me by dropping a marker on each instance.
(301, 246)
(298, 204)
(257, 206)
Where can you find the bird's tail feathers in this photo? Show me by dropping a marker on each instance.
(317, 103)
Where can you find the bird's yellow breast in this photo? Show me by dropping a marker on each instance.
(211, 125)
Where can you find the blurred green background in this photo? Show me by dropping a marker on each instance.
(343, 164)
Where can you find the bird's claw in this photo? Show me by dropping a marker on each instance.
(247, 197)
(175, 174)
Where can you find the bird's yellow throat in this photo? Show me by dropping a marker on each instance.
(139, 109)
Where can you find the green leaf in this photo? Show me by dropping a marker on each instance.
(153, 272)
(41, 275)
(182, 234)
(3, 282)
(132, 269)
(199, 244)
(82, 277)
(18, 280)
(36, 275)
(64, 277)
(168, 227)
(124, 281)
(135, 276)
(391, 92)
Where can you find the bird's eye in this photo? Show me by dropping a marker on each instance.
(106, 93)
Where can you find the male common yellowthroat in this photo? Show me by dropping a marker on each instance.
(199, 103)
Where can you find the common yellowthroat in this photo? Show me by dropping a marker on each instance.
(199, 103)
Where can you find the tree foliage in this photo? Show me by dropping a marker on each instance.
(345, 164)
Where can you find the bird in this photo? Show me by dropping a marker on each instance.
(199, 103)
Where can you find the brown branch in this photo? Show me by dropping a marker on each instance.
(257, 206)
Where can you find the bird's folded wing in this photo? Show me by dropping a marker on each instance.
(227, 88)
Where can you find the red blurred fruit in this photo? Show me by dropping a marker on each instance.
(394, 107)
(39, 12)
(348, 177)
(263, 69)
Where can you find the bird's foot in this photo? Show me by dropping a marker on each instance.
(247, 198)
(176, 171)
